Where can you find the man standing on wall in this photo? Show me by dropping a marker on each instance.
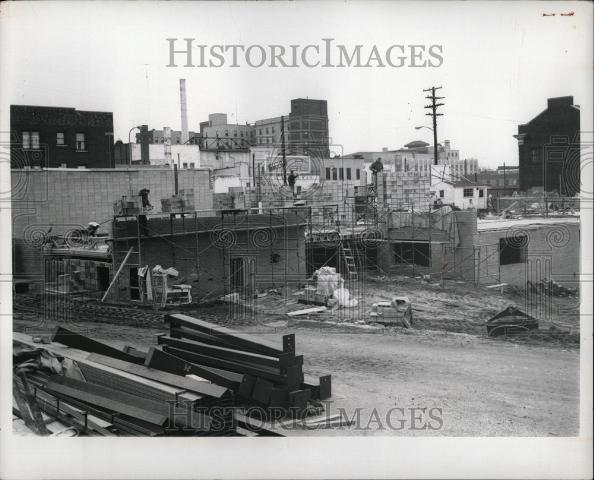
(291, 180)
(146, 206)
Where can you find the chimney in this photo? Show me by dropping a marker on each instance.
(447, 145)
(384, 149)
(167, 144)
(184, 110)
(144, 145)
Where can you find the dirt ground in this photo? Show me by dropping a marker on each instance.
(442, 377)
(473, 385)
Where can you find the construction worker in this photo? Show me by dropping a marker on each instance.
(83, 236)
(146, 205)
(291, 180)
(143, 194)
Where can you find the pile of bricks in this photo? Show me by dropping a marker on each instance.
(127, 206)
(182, 202)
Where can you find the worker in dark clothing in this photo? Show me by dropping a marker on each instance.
(146, 205)
(291, 180)
(144, 193)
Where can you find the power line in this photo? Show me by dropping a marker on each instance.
(433, 113)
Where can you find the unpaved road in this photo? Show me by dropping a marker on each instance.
(482, 386)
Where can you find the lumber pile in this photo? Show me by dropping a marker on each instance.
(100, 390)
(261, 373)
(199, 380)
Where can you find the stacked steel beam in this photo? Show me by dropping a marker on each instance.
(261, 373)
(101, 390)
(191, 383)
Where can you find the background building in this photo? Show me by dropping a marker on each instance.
(268, 131)
(52, 137)
(217, 134)
(549, 149)
(502, 181)
(158, 136)
(308, 127)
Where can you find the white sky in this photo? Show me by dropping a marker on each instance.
(501, 63)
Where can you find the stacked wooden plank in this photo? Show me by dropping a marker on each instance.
(107, 391)
(192, 383)
(261, 373)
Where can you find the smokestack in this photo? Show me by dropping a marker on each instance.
(184, 111)
(167, 144)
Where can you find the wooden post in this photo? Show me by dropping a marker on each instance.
(115, 277)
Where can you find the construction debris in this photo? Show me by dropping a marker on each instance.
(397, 312)
(511, 321)
(552, 288)
(306, 311)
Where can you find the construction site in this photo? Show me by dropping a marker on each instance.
(293, 314)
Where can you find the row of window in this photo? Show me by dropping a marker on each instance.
(469, 192)
(30, 140)
(272, 130)
(511, 251)
(339, 173)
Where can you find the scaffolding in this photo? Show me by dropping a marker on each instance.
(191, 240)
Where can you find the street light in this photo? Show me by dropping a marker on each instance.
(435, 151)
(130, 146)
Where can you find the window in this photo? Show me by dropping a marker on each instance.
(341, 174)
(192, 165)
(327, 173)
(441, 193)
(468, 192)
(31, 140)
(272, 129)
(334, 174)
(481, 193)
(60, 138)
(185, 165)
(535, 155)
(348, 173)
(512, 250)
(81, 144)
(267, 131)
(358, 174)
(412, 252)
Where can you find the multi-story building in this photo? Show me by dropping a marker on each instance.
(502, 181)
(308, 127)
(52, 137)
(418, 157)
(217, 134)
(268, 131)
(158, 136)
(549, 149)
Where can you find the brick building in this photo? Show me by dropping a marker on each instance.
(549, 149)
(308, 127)
(218, 134)
(52, 137)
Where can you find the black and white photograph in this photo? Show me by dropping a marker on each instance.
(296, 239)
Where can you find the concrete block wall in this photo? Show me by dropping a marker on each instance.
(70, 198)
(552, 251)
(205, 265)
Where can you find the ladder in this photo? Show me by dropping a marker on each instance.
(350, 261)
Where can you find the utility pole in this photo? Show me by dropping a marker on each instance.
(433, 113)
(283, 150)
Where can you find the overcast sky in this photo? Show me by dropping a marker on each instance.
(500, 64)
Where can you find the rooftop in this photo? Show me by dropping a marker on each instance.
(528, 222)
